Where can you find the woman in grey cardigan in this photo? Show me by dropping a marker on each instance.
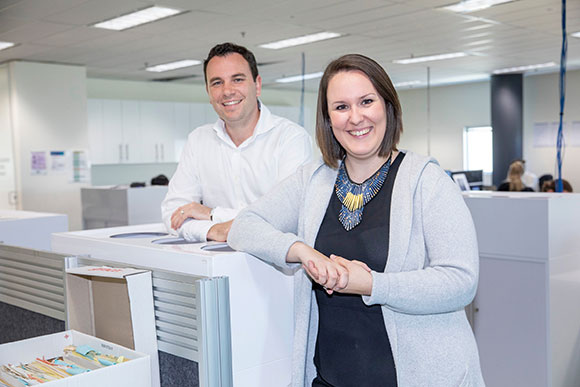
(383, 246)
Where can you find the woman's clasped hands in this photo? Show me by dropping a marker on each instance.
(334, 273)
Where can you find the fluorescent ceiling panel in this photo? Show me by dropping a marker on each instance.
(524, 68)
(479, 42)
(296, 78)
(479, 27)
(475, 36)
(134, 19)
(5, 45)
(467, 6)
(430, 58)
(300, 40)
(173, 65)
(576, 34)
(408, 83)
(461, 79)
(471, 19)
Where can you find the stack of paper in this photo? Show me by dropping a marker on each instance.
(74, 361)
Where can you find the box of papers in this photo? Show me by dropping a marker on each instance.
(135, 371)
(116, 305)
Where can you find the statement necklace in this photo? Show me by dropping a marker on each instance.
(354, 196)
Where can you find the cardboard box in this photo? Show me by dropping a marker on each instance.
(116, 305)
(135, 372)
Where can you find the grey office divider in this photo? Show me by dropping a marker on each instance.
(192, 318)
(215, 366)
(192, 313)
(33, 280)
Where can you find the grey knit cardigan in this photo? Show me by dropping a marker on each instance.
(430, 276)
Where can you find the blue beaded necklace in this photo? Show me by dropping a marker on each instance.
(354, 196)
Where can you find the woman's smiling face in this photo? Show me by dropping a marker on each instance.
(357, 114)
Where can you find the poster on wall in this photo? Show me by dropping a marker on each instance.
(38, 163)
(546, 134)
(78, 166)
(5, 165)
(573, 136)
(57, 162)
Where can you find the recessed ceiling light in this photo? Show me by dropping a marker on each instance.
(475, 36)
(5, 45)
(430, 58)
(479, 27)
(173, 65)
(576, 34)
(467, 6)
(133, 19)
(524, 68)
(296, 78)
(407, 83)
(478, 42)
(461, 79)
(300, 40)
(475, 50)
(471, 19)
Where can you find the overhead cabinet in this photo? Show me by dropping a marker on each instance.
(128, 131)
(114, 128)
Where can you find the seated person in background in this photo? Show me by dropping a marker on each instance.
(543, 179)
(514, 180)
(550, 186)
(529, 178)
(231, 163)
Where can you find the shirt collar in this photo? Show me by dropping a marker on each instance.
(265, 124)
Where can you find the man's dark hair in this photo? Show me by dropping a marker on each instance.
(224, 49)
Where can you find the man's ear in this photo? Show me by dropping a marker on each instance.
(258, 85)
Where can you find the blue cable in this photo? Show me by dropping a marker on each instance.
(560, 140)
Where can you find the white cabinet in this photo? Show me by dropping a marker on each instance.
(128, 131)
(95, 129)
(525, 315)
(112, 131)
(158, 132)
(113, 127)
(131, 125)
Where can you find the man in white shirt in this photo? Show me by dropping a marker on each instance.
(227, 165)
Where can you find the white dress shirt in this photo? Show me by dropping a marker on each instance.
(216, 173)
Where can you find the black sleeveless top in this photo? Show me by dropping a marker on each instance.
(352, 346)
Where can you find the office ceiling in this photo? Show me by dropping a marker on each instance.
(527, 32)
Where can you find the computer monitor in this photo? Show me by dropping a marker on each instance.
(474, 178)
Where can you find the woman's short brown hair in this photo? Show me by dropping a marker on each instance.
(330, 148)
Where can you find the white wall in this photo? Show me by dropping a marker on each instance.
(452, 109)
(542, 104)
(7, 176)
(458, 106)
(165, 91)
(48, 106)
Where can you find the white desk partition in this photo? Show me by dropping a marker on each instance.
(30, 229)
(114, 206)
(260, 296)
(526, 314)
